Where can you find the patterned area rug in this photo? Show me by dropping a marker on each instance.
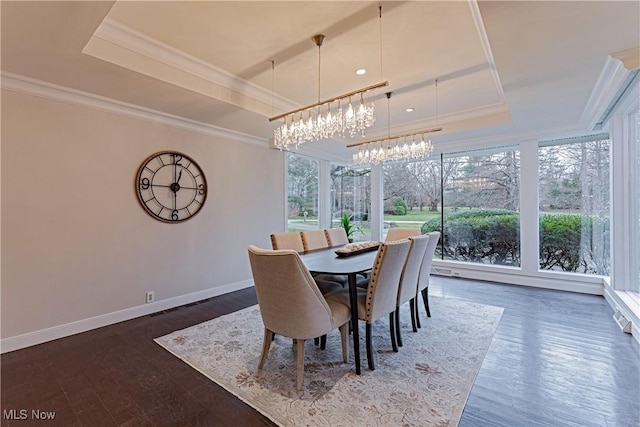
(425, 384)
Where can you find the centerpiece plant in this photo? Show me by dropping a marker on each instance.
(349, 227)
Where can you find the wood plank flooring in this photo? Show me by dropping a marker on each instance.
(557, 359)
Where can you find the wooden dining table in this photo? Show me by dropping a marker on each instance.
(326, 261)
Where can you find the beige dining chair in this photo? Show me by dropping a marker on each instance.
(287, 240)
(409, 281)
(380, 296)
(425, 272)
(336, 236)
(293, 241)
(317, 239)
(401, 233)
(291, 304)
(313, 239)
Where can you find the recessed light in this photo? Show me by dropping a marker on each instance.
(361, 71)
(409, 110)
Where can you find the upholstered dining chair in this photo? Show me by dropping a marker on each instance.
(409, 281)
(291, 304)
(293, 241)
(401, 233)
(336, 236)
(313, 239)
(287, 240)
(379, 298)
(425, 271)
(317, 239)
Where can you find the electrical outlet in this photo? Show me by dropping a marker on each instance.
(150, 297)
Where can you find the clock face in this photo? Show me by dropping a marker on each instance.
(171, 186)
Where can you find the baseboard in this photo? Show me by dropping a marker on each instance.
(514, 276)
(616, 302)
(38, 337)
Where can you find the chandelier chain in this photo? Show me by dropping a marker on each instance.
(437, 115)
(273, 84)
(380, 21)
(319, 68)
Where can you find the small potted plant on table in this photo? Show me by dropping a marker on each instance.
(349, 228)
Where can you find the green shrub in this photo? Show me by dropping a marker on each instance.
(492, 236)
(478, 235)
(400, 207)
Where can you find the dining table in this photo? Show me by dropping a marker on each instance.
(327, 261)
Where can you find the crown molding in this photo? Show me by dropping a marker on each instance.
(611, 79)
(486, 47)
(29, 86)
(630, 58)
(123, 37)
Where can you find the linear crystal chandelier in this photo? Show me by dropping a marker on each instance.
(344, 115)
(408, 146)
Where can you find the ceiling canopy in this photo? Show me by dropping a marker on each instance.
(504, 69)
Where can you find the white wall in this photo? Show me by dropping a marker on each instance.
(76, 243)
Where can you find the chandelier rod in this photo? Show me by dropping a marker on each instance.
(432, 130)
(318, 39)
(335, 98)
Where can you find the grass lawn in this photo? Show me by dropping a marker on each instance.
(414, 215)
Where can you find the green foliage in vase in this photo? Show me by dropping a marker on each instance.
(349, 228)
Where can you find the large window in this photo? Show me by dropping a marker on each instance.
(480, 192)
(412, 194)
(351, 195)
(574, 206)
(302, 197)
(482, 199)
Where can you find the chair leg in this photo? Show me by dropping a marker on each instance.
(397, 322)
(392, 331)
(323, 342)
(266, 344)
(316, 340)
(425, 298)
(299, 363)
(344, 335)
(369, 348)
(412, 308)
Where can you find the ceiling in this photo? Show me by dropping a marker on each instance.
(504, 70)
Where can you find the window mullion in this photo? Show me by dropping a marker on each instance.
(529, 234)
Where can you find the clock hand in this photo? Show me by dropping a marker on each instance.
(179, 176)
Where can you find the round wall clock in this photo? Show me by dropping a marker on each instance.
(171, 186)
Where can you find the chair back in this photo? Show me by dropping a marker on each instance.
(425, 269)
(336, 236)
(382, 291)
(401, 233)
(314, 239)
(290, 302)
(289, 240)
(411, 272)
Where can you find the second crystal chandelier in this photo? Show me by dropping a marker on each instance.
(344, 115)
(408, 146)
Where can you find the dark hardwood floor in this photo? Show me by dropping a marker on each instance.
(557, 359)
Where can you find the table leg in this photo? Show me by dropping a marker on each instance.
(353, 301)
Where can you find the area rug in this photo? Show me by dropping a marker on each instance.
(425, 384)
